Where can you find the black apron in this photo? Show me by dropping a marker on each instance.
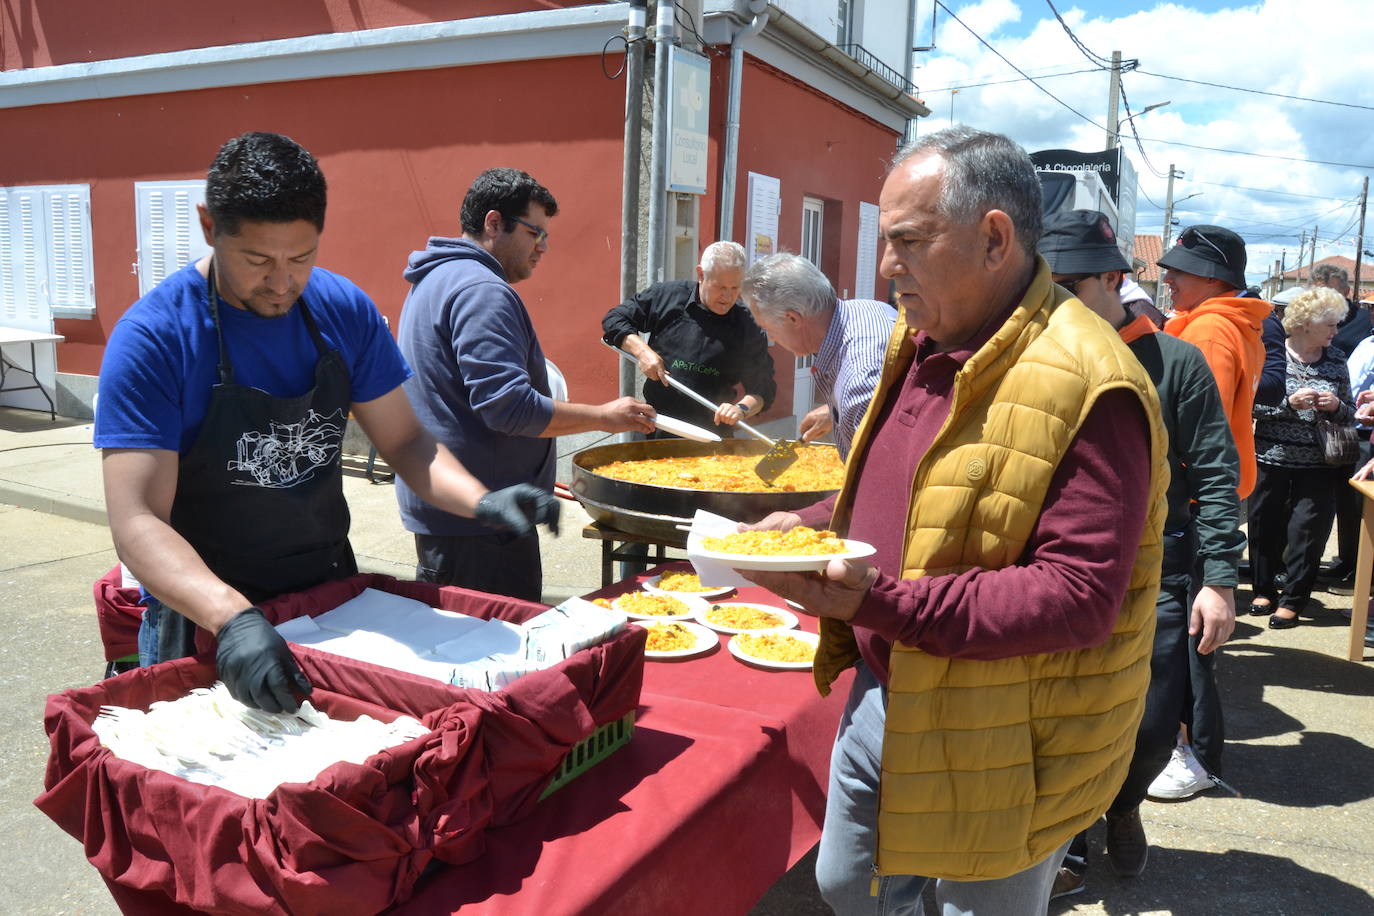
(260, 493)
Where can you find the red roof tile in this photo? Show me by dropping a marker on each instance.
(1148, 248)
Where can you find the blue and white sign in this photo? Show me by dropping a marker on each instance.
(689, 93)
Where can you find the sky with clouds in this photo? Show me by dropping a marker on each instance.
(1291, 48)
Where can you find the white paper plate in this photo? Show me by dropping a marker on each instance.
(706, 640)
(789, 620)
(651, 585)
(745, 657)
(686, 430)
(694, 606)
(766, 562)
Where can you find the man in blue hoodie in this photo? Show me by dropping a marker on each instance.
(481, 385)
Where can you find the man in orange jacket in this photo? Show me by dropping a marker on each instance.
(1205, 273)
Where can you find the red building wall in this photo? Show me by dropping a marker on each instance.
(398, 150)
(38, 34)
(815, 147)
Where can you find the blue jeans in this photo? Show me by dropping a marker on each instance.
(147, 632)
(844, 865)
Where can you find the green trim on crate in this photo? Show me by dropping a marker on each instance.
(591, 750)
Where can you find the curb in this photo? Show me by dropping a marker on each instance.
(51, 502)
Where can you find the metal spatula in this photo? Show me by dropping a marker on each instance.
(781, 454)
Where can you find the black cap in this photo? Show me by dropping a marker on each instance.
(1208, 251)
(1081, 242)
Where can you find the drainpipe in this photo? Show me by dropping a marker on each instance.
(664, 34)
(629, 190)
(730, 166)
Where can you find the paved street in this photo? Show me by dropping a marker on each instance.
(1300, 718)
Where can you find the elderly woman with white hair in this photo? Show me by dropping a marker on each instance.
(1294, 501)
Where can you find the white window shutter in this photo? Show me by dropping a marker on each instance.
(70, 281)
(169, 235)
(864, 279)
(23, 259)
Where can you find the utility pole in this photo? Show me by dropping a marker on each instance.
(1302, 251)
(1359, 238)
(1113, 98)
(1169, 209)
(665, 33)
(1312, 260)
(1164, 240)
(634, 141)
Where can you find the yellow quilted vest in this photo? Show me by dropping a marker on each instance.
(989, 766)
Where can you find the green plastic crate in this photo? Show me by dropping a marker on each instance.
(591, 750)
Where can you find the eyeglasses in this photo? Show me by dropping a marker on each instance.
(541, 235)
(1071, 283)
(1190, 238)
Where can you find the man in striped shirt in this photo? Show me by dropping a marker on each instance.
(796, 305)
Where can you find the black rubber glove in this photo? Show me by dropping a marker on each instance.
(256, 664)
(518, 509)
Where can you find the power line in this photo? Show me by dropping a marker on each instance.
(1277, 95)
(1242, 152)
(983, 41)
(1130, 120)
(1237, 187)
(1090, 54)
(1043, 76)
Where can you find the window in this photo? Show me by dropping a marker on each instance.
(813, 225)
(844, 22)
(45, 255)
(169, 234)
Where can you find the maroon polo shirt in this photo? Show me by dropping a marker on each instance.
(1065, 591)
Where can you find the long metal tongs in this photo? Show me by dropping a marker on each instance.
(781, 454)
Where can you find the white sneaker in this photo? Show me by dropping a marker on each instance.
(1182, 777)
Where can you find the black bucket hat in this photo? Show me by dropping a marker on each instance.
(1081, 242)
(1209, 251)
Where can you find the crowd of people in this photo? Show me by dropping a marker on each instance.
(1058, 480)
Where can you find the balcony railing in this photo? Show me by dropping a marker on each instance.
(865, 57)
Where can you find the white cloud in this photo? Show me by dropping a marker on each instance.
(1279, 46)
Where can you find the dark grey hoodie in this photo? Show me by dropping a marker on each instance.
(480, 383)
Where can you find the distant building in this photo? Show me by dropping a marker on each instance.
(1148, 250)
(1301, 276)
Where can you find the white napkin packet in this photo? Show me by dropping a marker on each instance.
(493, 672)
(380, 649)
(373, 610)
(299, 629)
(570, 627)
(408, 635)
(712, 573)
(490, 637)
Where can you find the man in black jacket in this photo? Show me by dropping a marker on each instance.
(704, 337)
(1193, 616)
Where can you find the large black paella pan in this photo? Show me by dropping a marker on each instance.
(656, 511)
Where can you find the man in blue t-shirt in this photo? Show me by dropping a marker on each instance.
(223, 399)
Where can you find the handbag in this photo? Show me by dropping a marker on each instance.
(1340, 444)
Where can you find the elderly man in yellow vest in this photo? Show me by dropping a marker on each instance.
(1002, 632)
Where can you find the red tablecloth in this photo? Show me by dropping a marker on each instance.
(726, 758)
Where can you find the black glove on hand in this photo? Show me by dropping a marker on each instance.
(256, 665)
(518, 509)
